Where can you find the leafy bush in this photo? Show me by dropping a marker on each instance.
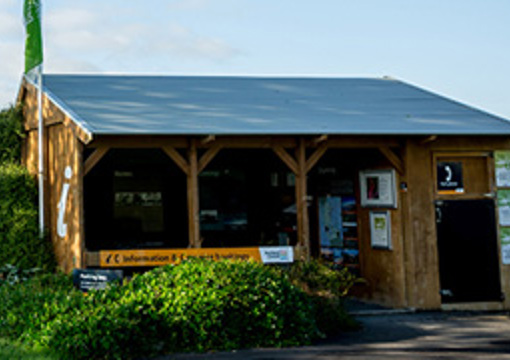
(11, 133)
(198, 305)
(317, 278)
(20, 243)
(326, 286)
(28, 306)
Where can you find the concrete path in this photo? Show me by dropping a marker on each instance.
(403, 336)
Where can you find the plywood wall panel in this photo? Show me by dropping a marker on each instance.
(421, 241)
(383, 270)
(64, 170)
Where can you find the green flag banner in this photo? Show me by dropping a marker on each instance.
(33, 46)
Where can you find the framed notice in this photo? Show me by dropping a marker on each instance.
(502, 168)
(380, 229)
(378, 188)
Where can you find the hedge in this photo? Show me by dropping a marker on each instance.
(20, 242)
(11, 135)
(199, 305)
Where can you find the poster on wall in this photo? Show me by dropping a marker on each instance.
(504, 234)
(502, 168)
(378, 188)
(330, 221)
(380, 229)
(504, 207)
(449, 177)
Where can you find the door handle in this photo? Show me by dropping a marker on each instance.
(439, 215)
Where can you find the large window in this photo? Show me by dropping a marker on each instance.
(135, 199)
(247, 199)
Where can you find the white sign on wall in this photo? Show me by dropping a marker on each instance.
(61, 206)
(378, 188)
(276, 254)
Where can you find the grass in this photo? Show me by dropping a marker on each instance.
(13, 351)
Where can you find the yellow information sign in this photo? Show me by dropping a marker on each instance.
(158, 257)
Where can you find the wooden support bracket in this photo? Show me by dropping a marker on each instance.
(179, 160)
(286, 158)
(428, 139)
(208, 139)
(316, 156)
(320, 139)
(393, 158)
(208, 156)
(94, 158)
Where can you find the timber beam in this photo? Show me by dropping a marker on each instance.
(94, 158)
(393, 158)
(192, 166)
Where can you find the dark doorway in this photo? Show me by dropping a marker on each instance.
(468, 255)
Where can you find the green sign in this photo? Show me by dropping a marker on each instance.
(33, 45)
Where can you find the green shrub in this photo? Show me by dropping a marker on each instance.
(11, 134)
(317, 277)
(198, 305)
(326, 286)
(26, 307)
(20, 243)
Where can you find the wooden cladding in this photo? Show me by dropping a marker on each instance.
(475, 168)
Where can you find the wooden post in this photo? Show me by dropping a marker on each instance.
(193, 205)
(303, 228)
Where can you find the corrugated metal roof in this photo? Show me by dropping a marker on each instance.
(225, 105)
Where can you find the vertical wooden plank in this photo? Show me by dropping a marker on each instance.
(407, 244)
(193, 204)
(303, 228)
(65, 151)
(421, 242)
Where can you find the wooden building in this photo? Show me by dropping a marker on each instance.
(402, 185)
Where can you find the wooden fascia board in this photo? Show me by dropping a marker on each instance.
(53, 113)
(140, 141)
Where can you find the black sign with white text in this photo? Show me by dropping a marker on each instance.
(449, 177)
(95, 279)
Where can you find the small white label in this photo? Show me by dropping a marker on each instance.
(276, 254)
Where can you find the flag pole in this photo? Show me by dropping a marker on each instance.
(40, 150)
